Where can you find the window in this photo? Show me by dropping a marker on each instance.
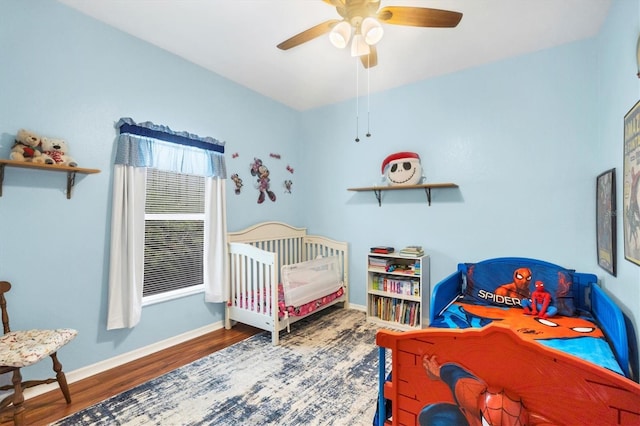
(174, 235)
(168, 220)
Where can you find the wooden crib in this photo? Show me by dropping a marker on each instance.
(255, 260)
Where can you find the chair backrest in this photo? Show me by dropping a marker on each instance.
(4, 287)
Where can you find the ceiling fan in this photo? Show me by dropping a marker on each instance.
(362, 19)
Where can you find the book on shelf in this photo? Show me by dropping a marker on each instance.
(397, 286)
(396, 310)
(415, 251)
(380, 262)
(382, 249)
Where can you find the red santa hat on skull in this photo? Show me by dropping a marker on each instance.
(399, 156)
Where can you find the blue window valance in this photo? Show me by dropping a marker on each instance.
(155, 146)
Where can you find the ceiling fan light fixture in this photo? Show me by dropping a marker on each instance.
(359, 47)
(371, 30)
(340, 35)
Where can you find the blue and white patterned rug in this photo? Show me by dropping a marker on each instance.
(325, 372)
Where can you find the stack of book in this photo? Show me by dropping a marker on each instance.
(380, 262)
(413, 251)
(382, 249)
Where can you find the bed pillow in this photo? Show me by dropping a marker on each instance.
(507, 282)
(307, 281)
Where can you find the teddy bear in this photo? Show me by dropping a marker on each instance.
(27, 148)
(57, 150)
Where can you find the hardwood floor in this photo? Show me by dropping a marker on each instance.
(51, 406)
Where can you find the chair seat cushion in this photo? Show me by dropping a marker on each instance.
(23, 348)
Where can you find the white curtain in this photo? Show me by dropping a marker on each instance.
(127, 247)
(148, 145)
(215, 243)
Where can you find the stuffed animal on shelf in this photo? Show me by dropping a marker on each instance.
(540, 303)
(27, 148)
(57, 149)
(402, 168)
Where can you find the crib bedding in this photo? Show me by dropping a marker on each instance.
(305, 282)
(307, 308)
(577, 335)
(257, 302)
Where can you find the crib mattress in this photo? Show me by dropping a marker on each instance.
(579, 335)
(257, 303)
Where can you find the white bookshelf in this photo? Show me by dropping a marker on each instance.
(398, 290)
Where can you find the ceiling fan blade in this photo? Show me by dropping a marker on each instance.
(370, 60)
(419, 16)
(308, 35)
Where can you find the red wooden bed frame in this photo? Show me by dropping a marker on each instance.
(555, 388)
(549, 386)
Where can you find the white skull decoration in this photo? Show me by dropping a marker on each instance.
(402, 168)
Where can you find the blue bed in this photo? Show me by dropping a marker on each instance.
(477, 326)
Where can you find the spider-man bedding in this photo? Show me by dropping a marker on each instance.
(513, 341)
(579, 336)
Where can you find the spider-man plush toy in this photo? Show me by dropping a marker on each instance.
(540, 303)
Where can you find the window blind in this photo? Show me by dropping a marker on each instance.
(174, 231)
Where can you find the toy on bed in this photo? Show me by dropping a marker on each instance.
(540, 303)
(278, 275)
(485, 357)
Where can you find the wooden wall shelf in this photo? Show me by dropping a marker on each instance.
(71, 171)
(377, 190)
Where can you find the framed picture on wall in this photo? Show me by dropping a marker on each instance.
(606, 220)
(631, 185)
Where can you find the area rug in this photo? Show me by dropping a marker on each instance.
(324, 372)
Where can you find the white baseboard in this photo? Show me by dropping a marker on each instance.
(358, 307)
(99, 367)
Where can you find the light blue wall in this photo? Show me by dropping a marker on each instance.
(618, 90)
(72, 77)
(524, 138)
(518, 138)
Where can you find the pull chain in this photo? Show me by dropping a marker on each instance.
(368, 95)
(357, 102)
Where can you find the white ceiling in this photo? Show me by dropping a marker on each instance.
(237, 39)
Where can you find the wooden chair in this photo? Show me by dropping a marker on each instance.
(24, 348)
